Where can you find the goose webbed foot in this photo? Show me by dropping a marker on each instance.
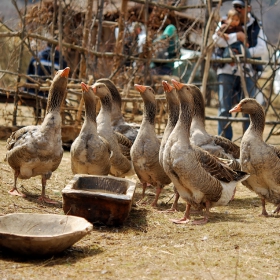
(185, 219)
(180, 221)
(206, 215)
(47, 200)
(200, 222)
(15, 192)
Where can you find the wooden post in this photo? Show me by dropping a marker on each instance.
(19, 62)
(88, 19)
(99, 33)
(206, 65)
(119, 42)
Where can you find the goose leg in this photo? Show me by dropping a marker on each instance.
(43, 197)
(186, 218)
(264, 212)
(206, 216)
(158, 191)
(277, 210)
(144, 186)
(14, 190)
(174, 207)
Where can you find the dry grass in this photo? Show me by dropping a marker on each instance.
(235, 244)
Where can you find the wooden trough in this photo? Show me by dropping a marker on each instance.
(99, 199)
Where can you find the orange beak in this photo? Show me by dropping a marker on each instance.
(65, 72)
(140, 88)
(84, 87)
(237, 108)
(176, 84)
(94, 89)
(167, 87)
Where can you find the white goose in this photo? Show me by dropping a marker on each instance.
(258, 158)
(37, 150)
(90, 153)
(201, 179)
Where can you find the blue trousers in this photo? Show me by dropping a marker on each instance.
(230, 93)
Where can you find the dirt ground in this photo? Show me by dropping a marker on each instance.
(235, 244)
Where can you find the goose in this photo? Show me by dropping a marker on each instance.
(37, 149)
(258, 158)
(90, 153)
(215, 145)
(173, 105)
(145, 149)
(117, 121)
(201, 179)
(121, 166)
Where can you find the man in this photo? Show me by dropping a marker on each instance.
(230, 88)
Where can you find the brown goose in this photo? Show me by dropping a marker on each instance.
(37, 150)
(201, 179)
(173, 105)
(215, 145)
(258, 158)
(145, 149)
(90, 153)
(120, 165)
(117, 120)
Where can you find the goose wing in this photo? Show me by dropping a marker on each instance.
(227, 145)
(216, 167)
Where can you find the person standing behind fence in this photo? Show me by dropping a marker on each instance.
(230, 83)
(233, 25)
(34, 68)
(166, 47)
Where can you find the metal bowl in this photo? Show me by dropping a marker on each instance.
(41, 234)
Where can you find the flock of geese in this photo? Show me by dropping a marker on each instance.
(203, 168)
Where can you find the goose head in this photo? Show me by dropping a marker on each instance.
(103, 92)
(170, 92)
(57, 91)
(254, 109)
(183, 91)
(148, 95)
(90, 100)
(199, 105)
(146, 92)
(248, 106)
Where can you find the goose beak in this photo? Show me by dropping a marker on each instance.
(177, 84)
(93, 89)
(65, 72)
(237, 108)
(167, 87)
(140, 88)
(84, 87)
